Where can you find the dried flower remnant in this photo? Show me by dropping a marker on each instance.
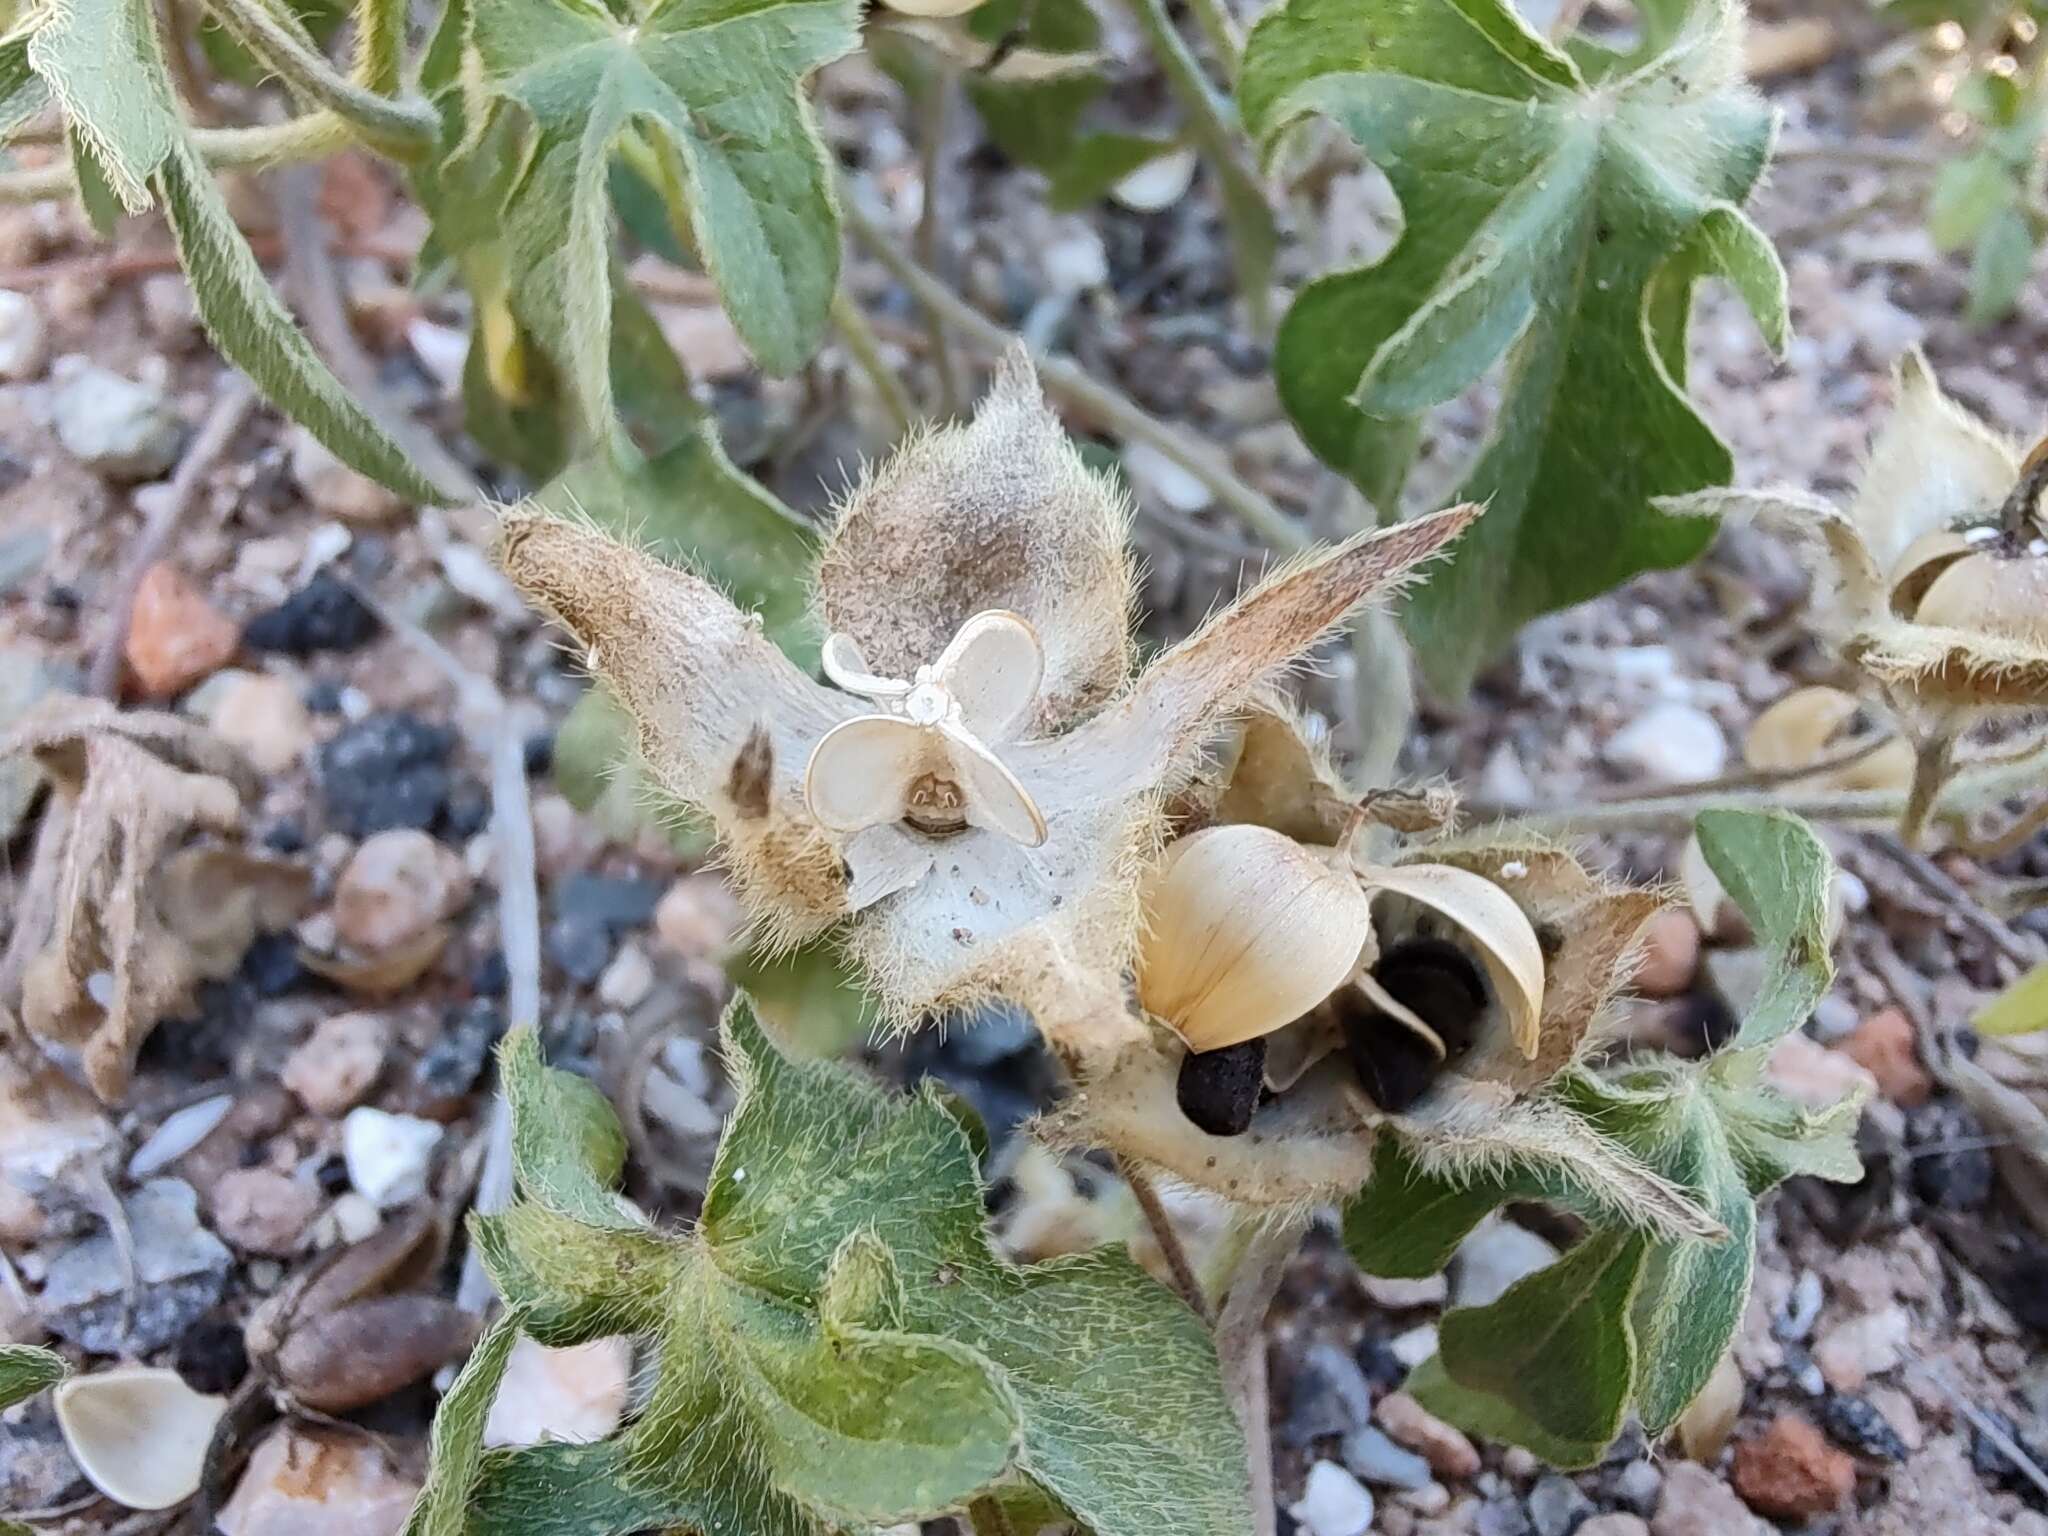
(980, 831)
(1312, 999)
(1935, 574)
(155, 892)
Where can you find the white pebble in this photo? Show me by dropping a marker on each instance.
(179, 1134)
(387, 1155)
(1669, 744)
(24, 338)
(1334, 1503)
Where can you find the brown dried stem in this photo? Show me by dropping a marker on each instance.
(1160, 1221)
(1241, 1351)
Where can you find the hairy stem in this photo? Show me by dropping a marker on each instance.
(866, 350)
(1971, 787)
(311, 137)
(1213, 125)
(1185, 1281)
(985, 1517)
(380, 45)
(1933, 767)
(1241, 1351)
(403, 129)
(933, 114)
(1072, 387)
(1224, 36)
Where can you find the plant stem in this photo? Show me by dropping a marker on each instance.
(1970, 787)
(1771, 778)
(866, 350)
(1106, 407)
(1224, 35)
(403, 129)
(380, 45)
(1213, 125)
(933, 115)
(310, 137)
(985, 1517)
(1241, 1351)
(1933, 766)
(1167, 1236)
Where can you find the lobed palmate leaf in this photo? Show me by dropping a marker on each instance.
(837, 1343)
(104, 64)
(1558, 217)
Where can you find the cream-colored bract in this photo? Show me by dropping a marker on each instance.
(970, 799)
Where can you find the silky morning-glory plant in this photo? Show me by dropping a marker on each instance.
(974, 790)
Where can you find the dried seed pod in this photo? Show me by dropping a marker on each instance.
(1502, 934)
(139, 1433)
(1246, 931)
(370, 1349)
(1810, 725)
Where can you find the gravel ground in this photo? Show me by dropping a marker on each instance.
(333, 1081)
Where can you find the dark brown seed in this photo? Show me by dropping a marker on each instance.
(1441, 985)
(1219, 1090)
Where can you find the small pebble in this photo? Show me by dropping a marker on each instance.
(1618, 1524)
(1669, 744)
(119, 427)
(1671, 954)
(307, 1481)
(265, 718)
(627, 980)
(388, 1155)
(1852, 1352)
(1855, 1423)
(386, 771)
(334, 489)
(1501, 1517)
(453, 1063)
(1801, 1311)
(581, 947)
(1494, 1257)
(1410, 1349)
(1950, 1156)
(1695, 1502)
(1637, 1485)
(1884, 1044)
(175, 637)
(262, 1211)
(1450, 1454)
(1790, 1472)
(1334, 1503)
(323, 615)
(1371, 1455)
(338, 1063)
(397, 885)
(24, 338)
(1557, 1507)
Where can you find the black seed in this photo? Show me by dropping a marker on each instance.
(1437, 982)
(1219, 1089)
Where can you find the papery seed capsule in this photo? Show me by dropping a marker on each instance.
(1219, 1090)
(1925, 559)
(1439, 984)
(1995, 591)
(1246, 931)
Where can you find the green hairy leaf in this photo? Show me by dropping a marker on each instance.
(457, 1442)
(26, 1370)
(1779, 874)
(1555, 226)
(102, 62)
(710, 94)
(837, 1344)
(1555, 1350)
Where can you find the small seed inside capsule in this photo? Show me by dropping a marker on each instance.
(935, 806)
(1437, 982)
(1219, 1090)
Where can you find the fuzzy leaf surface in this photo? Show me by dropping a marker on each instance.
(1556, 1349)
(457, 1442)
(26, 1370)
(1555, 224)
(837, 1342)
(1116, 1383)
(1778, 873)
(102, 61)
(714, 90)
